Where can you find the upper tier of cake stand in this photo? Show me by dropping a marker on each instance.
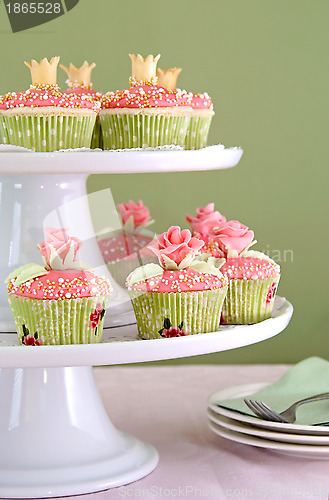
(122, 345)
(14, 160)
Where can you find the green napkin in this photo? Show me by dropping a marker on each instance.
(307, 378)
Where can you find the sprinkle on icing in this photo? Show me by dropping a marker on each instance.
(81, 90)
(249, 268)
(144, 96)
(154, 80)
(197, 101)
(183, 280)
(47, 95)
(60, 285)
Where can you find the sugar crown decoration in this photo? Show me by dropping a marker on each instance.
(43, 72)
(79, 76)
(143, 71)
(168, 78)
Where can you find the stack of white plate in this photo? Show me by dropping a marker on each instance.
(307, 441)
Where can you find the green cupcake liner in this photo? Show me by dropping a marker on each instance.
(58, 322)
(49, 133)
(197, 132)
(189, 312)
(120, 269)
(249, 301)
(141, 131)
(97, 138)
(3, 131)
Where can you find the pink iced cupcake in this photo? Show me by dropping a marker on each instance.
(146, 114)
(182, 295)
(79, 83)
(61, 302)
(201, 114)
(206, 220)
(43, 118)
(126, 249)
(253, 277)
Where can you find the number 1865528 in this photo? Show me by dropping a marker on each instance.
(33, 8)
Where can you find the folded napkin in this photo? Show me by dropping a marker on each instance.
(307, 378)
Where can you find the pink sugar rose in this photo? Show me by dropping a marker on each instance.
(176, 249)
(232, 237)
(206, 220)
(60, 241)
(139, 213)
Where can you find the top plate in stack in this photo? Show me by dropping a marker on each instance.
(307, 441)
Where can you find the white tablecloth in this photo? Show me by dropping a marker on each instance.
(166, 406)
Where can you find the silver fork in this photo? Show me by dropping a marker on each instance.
(288, 416)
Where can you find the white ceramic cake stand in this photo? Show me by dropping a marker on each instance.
(56, 438)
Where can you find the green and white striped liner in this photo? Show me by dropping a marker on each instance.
(49, 133)
(3, 130)
(58, 322)
(197, 132)
(245, 302)
(142, 130)
(97, 138)
(198, 312)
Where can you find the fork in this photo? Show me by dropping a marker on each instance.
(288, 416)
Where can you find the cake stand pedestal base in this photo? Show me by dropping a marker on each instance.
(56, 438)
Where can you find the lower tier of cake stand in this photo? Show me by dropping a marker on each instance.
(56, 438)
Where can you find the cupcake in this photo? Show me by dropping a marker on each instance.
(126, 249)
(181, 296)
(146, 114)
(206, 220)
(62, 302)
(79, 83)
(44, 119)
(252, 276)
(201, 114)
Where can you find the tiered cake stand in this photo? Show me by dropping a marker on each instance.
(56, 438)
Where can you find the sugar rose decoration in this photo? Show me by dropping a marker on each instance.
(232, 238)
(134, 214)
(206, 219)
(59, 249)
(176, 248)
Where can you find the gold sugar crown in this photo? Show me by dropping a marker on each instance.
(79, 77)
(144, 70)
(43, 72)
(168, 78)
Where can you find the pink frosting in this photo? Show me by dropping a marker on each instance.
(205, 220)
(144, 96)
(59, 285)
(185, 280)
(60, 240)
(232, 235)
(176, 245)
(199, 101)
(249, 268)
(94, 94)
(138, 211)
(120, 246)
(209, 246)
(47, 95)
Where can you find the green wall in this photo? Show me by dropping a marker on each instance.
(265, 65)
